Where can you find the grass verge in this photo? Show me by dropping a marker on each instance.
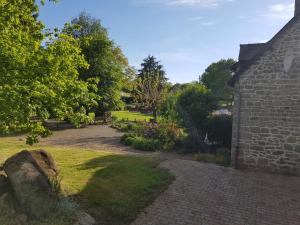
(113, 188)
(131, 116)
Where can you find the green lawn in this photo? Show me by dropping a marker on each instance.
(113, 188)
(131, 116)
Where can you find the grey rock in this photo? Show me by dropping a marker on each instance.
(33, 177)
(85, 219)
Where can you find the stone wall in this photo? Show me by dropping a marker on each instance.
(266, 129)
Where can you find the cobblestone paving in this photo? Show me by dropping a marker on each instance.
(204, 194)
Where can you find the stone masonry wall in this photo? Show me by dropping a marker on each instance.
(266, 129)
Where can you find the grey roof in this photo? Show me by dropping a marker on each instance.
(250, 53)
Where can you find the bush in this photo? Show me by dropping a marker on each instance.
(127, 139)
(220, 130)
(162, 135)
(170, 134)
(141, 143)
(124, 126)
(145, 144)
(190, 108)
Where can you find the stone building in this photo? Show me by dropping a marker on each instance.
(266, 127)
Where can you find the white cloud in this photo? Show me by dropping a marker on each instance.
(195, 18)
(202, 21)
(200, 3)
(280, 11)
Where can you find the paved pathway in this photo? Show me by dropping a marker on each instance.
(202, 194)
(205, 194)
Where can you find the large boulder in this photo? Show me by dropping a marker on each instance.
(4, 185)
(33, 176)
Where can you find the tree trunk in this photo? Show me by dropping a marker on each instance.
(155, 114)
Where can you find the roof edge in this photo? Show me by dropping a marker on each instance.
(268, 45)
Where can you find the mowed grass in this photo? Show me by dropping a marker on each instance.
(131, 116)
(113, 188)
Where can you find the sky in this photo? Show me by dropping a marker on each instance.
(186, 36)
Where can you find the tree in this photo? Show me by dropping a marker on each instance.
(107, 62)
(151, 66)
(191, 108)
(37, 78)
(169, 109)
(151, 85)
(150, 91)
(216, 77)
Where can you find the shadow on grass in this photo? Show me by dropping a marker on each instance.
(121, 186)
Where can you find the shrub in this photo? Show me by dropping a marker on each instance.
(127, 139)
(169, 134)
(145, 144)
(124, 126)
(141, 143)
(163, 135)
(190, 108)
(220, 130)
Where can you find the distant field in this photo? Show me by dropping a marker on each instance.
(131, 116)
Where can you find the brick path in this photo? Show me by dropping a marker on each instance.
(204, 194)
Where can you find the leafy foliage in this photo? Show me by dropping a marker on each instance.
(141, 143)
(163, 135)
(38, 80)
(170, 109)
(216, 77)
(191, 108)
(150, 65)
(108, 65)
(151, 85)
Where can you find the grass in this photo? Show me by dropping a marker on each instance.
(220, 159)
(113, 188)
(131, 116)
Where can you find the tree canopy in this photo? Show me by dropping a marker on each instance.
(38, 78)
(191, 107)
(151, 85)
(151, 65)
(107, 62)
(216, 77)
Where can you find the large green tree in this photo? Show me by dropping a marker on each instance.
(37, 78)
(216, 78)
(191, 107)
(107, 62)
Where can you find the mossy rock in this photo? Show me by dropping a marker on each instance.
(33, 176)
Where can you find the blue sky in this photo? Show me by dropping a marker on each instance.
(185, 35)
